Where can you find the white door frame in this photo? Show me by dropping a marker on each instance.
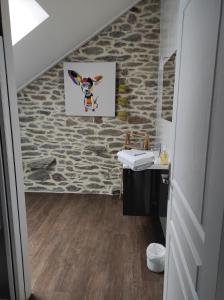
(13, 175)
(211, 276)
(12, 162)
(5, 228)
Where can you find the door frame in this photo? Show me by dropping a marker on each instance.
(5, 227)
(12, 162)
(182, 5)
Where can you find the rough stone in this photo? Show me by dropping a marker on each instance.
(132, 18)
(119, 44)
(37, 188)
(40, 175)
(153, 20)
(85, 119)
(98, 120)
(26, 119)
(50, 146)
(152, 36)
(28, 147)
(111, 132)
(94, 186)
(104, 155)
(137, 120)
(24, 140)
(116, 34)
(72, 188)
(95, 148)
(103, 43)
(92, 167)
(34, 87)
(134, 37)
(150, 83)
(115, 190)
(112, 58)
(42, 163)
(93, 50)
(116, 145)
(125, 27)
(37, 131)
(58, 189)
(86, 131)
(73, 152)
(38, 97)
(30, 154)
(58, 177)
(70, 122)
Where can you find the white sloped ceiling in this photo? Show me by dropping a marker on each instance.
(70, 23)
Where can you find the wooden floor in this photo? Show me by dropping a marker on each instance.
(82, 247)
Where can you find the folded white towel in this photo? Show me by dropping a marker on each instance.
(139, 168)
(135, 158)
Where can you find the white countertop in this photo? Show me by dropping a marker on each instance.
(152, 167)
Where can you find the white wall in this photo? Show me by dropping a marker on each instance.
(71, 22)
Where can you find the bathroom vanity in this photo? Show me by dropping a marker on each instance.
(145, 192)
(4, 283)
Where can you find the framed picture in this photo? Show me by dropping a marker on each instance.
(90, 89)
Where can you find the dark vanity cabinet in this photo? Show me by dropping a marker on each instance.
(4, 284)
(145, 193)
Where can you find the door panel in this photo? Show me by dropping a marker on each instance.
(198, 54)
(196, 61)
(176, 286)
(185, 240)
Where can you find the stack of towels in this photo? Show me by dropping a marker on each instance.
(136, 160)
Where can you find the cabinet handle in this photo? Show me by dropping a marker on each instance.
(165, 178)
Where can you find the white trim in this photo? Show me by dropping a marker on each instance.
(187, 235)
(189, 211)
(183, 264)
(220, 276)
(177, 265)
(13, 165)
(5, 222)
(213, 209)
(180, 21)
(167, 257)
(9, 178)
(75, 47)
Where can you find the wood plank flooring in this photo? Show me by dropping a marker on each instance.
(83, 248)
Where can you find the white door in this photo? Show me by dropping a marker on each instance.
(194, 215)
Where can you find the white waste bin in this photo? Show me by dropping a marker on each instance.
(156, 257)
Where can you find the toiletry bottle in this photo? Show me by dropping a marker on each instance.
(164, 157)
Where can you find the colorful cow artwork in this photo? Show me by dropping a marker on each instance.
(87, 84)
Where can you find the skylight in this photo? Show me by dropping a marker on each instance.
(25, 15)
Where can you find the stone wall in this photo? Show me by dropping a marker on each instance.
(78, 154)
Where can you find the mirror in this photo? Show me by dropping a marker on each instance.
(168, 87)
